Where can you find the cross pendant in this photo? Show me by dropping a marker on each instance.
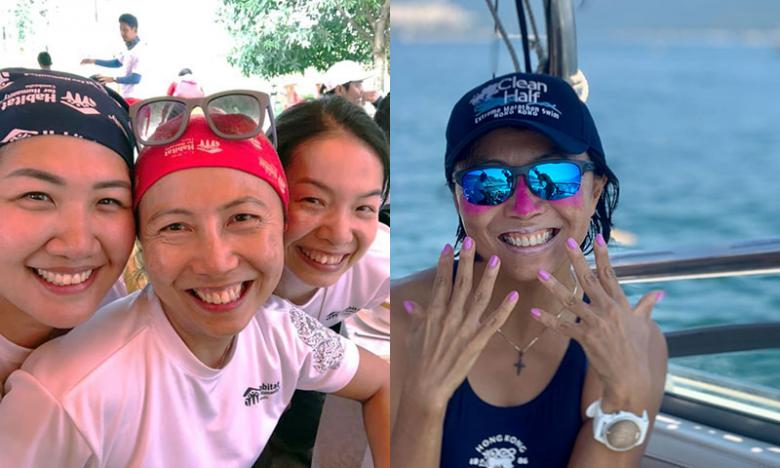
(519, 364)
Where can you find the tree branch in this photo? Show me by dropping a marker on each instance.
(366, 36)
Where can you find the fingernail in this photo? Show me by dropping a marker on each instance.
(446, 250)
(572, 243)
(493, 262)
(659, 296)
(468, 243)
(513, 296)
(536, 312)
(543, 275)
(600, 240)
(408, 306)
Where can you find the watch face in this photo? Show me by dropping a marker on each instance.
(623, 434)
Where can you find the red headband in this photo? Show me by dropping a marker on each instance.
(200, 147)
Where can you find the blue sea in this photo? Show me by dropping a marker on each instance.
(691, 129)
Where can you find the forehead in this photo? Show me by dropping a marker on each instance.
(510, 145)
(332, 154)
(207, 189)
(63, 155)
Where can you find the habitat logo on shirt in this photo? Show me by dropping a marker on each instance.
(253, 395)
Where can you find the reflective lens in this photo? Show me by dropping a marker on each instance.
(243, 105)
(549, 180)
(160, 121)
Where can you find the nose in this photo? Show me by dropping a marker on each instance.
(74, 237)
(523, 202)
(336, 228)
(215, 254)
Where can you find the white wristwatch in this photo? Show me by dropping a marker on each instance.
(619, 431)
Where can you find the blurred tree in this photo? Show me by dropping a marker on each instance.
(276, 37)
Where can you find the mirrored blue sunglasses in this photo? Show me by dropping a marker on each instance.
(552, 179)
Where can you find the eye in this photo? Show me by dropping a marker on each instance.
(312, 201)
(111, 202)
(245, 217)
(366, 209)
(37, 196)
(174, 227)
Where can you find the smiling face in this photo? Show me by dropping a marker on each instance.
(335, 195)
(213, 256)
(66, 231)
(526, 232)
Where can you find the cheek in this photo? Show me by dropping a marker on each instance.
(577, 201)
(118, 239)
(471, 209)
(298, 226)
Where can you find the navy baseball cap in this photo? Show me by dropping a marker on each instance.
(543, 103)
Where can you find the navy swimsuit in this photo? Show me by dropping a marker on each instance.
(540, 433)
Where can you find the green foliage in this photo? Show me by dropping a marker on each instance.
(276, 37)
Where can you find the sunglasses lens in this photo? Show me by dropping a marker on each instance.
(554, 181)
(236, 115)
(487, 186)
(159, 122)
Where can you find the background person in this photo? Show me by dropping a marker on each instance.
(186, 86)
(131, 60)
(65, 203)
(477, 379)
(44, 60)
(345, 79)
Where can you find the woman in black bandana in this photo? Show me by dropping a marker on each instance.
(66, 165)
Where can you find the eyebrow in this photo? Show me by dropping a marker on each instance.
(56, 180)
(316, 183)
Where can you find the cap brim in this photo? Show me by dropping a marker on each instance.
(564, 142)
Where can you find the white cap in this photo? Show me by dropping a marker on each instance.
(344, 72)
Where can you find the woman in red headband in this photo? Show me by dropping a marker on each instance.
(195, 369)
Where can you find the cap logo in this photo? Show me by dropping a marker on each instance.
(18, 134)
(209, 146)
(84, 104)
(4, 80)
(510, 96)
(183, 145)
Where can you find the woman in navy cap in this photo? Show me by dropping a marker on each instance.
(511, 351)
(66, 163)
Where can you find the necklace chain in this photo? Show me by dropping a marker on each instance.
(521, 351)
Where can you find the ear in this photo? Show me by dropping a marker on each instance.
(599, 183)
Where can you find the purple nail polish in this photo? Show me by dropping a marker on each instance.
(543, 275)
(572, 243)
(468, 243)
(659, 296)
(513, 296)
(600, 240)
(493, 262)
(446, 250)
(408, 306)
(536, 312)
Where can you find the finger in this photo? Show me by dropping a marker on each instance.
(606, 273)
(588, 280)
(413, 309)
(570, 301)
(463, 278)
(442, 284)
(496, 319)
(484, 291)
(644, 308)
(564, 327)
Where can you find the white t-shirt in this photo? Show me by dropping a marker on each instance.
(124, 390)
(364, 286)
(132, 63)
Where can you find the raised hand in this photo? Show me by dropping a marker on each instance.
(447, 337)
(614, 335)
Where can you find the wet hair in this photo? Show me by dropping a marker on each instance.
(44, 59)
(129, 20)
(600, 221)
(312, 119)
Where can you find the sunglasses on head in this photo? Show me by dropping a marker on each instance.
(232, 115)
(552, 179)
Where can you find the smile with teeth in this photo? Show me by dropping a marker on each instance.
(63, 279)
(533, 239)
(224, 295)
(322, 257)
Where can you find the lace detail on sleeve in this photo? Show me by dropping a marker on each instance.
(328, 352)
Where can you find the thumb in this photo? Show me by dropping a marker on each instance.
(644, 307)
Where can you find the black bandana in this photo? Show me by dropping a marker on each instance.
(42, 102)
